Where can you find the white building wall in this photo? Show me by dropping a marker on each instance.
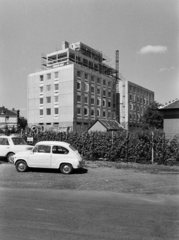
(65, 95)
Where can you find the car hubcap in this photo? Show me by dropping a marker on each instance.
(21, 166)
(66, 169)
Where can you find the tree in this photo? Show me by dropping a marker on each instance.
(22, 122)
(152, 118)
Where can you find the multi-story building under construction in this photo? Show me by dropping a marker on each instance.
(74, 88)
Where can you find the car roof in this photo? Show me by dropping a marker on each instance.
(53, 143)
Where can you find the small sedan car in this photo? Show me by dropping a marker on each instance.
(9, 145)
(49, 154)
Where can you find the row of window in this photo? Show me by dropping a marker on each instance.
(49, 76)
(48, 111)
(79, 112)
(94, 101)
(136, 107)
(134, 117)
(93, 79)
(92, 88)
(140, 91)
(139, 99)
(48, 88)
(92, 112)
(48, 100)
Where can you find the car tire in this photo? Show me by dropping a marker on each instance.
(66, 168)
(9, 156)
(21, 166)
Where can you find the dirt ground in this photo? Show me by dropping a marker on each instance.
(97, 176)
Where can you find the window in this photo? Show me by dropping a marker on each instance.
(86, 76)
(55, 110)
(86, 99)
(78, 74)
(104, 103)
(92, 89)
(48, 76)
(130, 116)
(86, 85)
(41, 78)
(92, 101)
(56, 87)
(109, 84)
(92, 112)
(134, 97)
(56, 75)
(41, 112)
(48, 110)
(85, 111)
(104, 93)
(48, 99)
(78, 98)
(98, 80)
(59, 150)
(41, 89)
(109, 104)
(109, 94)
(104, 114)
(92, 79)
(78, 85)
(4, 141)
(98, 91)
(134, 107)
(41, 100)
(48, 87)
(56, 99)
(104, 82)
(109, 114)
(78, 110)
(131, 106)
(130, 97)
(98, 102)
(42, 149)
(98, 112)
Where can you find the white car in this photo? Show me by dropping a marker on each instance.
(9, 145)
(49, 154)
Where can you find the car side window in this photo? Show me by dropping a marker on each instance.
(4, 141)
(42, 149)
(59, 150)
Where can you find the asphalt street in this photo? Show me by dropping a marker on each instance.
(31, 214)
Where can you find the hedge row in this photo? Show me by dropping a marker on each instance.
(123, 146)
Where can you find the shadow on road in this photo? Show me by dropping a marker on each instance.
(75, 171)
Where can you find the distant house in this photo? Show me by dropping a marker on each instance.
(171, 118)
(8, 119)
(103, 125)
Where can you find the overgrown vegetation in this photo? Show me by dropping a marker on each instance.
(141, 147)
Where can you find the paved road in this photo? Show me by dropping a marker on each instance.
(69, 214)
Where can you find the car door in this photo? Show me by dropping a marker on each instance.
(59, 154)
(40, 156)
(4, 147)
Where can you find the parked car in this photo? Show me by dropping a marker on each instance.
(9, 145)
(49, 154)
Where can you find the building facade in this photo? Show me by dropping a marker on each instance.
(8, 119)
(74, 88)
(171, 118)
(134, 100)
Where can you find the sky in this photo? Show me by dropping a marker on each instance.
(144, 31)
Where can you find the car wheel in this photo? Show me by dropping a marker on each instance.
(21, 166)
(9, 157)
(66, 168)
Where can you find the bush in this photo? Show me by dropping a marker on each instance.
(119, 147)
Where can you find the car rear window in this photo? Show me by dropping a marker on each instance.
(19, 141)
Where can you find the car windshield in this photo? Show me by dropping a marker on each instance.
(19, 141)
